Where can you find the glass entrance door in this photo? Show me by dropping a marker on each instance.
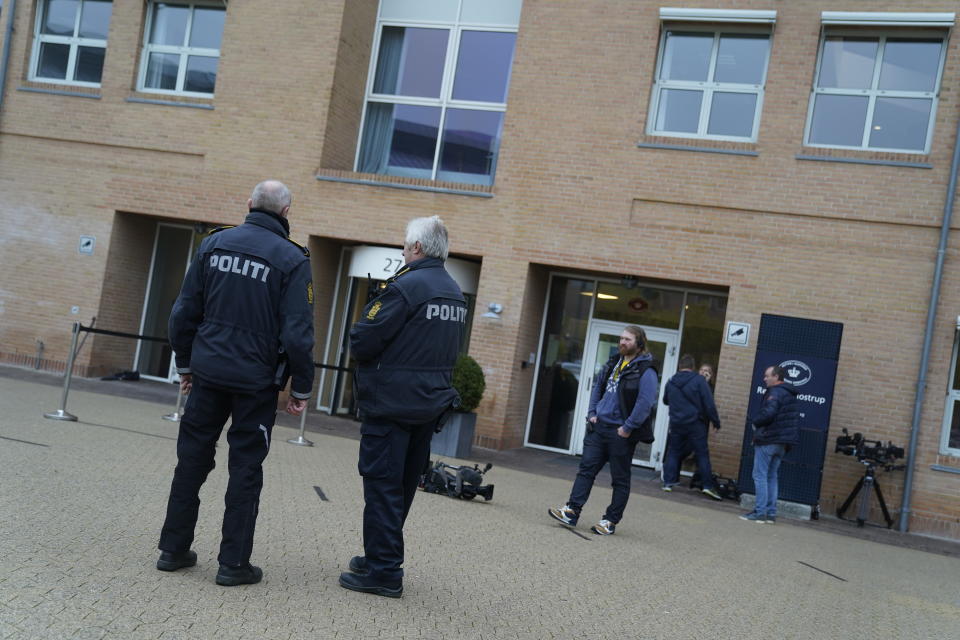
(603, 338)
(172, 250)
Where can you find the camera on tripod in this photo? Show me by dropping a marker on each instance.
(868, 451)
(461, 482)
(872, 454)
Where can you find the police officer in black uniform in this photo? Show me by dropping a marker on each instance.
(406, 343)
(242, 325)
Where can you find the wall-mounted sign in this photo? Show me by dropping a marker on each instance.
(86, 245)
(738, 333)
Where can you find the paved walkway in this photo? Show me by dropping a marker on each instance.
(81, 505)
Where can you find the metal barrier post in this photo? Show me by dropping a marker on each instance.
(300, 440)
(61, 413)
(176, 415)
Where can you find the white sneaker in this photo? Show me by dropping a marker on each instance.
(564, 514)
(603, 528)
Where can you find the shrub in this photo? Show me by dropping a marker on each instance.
(469, 382)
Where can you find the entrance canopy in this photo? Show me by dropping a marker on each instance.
(380, 263)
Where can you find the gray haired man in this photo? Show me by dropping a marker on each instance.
(406, 342)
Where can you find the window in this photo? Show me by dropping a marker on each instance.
(70, 42)
(709, 84)
(875, 92)
(182, 49)
(950, 441)
(437, 89)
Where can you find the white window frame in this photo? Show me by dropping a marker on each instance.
(873, 93)
(184, 51)
(953, 396)
(75, 42)
(444, 102)
(708, 87)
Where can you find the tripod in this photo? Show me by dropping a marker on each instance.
(862, 488)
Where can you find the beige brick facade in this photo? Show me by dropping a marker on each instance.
(850, 243)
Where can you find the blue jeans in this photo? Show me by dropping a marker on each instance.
(601, 445)
(766, 467)
(680, 441)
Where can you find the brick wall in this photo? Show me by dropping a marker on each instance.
(851, 243)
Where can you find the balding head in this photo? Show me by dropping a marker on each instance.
(271, 195)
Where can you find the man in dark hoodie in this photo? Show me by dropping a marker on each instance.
(691, 410)
(776, 427)
(621, 414)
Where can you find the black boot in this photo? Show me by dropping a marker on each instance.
(358, 565)
(170, 561)
(229, 576)
(367, 584)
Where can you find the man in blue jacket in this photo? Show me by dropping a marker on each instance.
(406, 343)
(691, 411)
(776, 427)
(621, 414)
(242, 325)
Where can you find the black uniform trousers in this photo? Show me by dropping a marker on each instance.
(205, 414)
(392, 458)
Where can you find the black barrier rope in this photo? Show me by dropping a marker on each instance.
(332, 367)
(120, 334)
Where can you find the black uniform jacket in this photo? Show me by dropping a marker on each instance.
(406, 343)
(247, 299)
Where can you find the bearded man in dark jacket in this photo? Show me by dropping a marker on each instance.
(776, 428)
(622, 410)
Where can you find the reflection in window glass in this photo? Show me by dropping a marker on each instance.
(162, 71)
(206, 32)
(710, 84)
(410, 62)
(857, 76)
(900, 123)
(169, 25)
(60, 17)
(470, 142)
(201, 74)
(646, 306)
(686, 56)
(53, 60)
(465, 82)
(847, 63)
(679, 111)
(953, 440)
(483, 66)
(414, 140)
(89, 65)
(71, 40)
(910, 65)
(561, 356)
(741, 59)
(731, 114)
(838, 120)
(703, 323)
(183, 49)
(95, 19)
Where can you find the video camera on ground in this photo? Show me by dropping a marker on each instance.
(455, 481)
(869, 451)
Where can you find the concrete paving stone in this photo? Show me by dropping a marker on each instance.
(474, 570)
(90, 633)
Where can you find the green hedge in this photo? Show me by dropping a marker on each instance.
(469, 382)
